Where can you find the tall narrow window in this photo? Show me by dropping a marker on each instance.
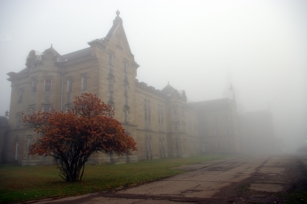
(127, 116)
(160, 117)
(216, 127)
(83, 83)
(29, 143)
(47, 85)
(145, 112)
(20, 95)
(176, 126)
(18, 120)
(149, 110)
(148, 146)
(111, 59)
(125, 67)
(16, 150)
(69, 85)
(33, 85)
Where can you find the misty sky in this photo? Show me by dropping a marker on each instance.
(199, 46)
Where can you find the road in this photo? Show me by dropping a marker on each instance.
(241, 179)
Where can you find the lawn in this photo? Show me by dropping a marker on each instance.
(24, 183)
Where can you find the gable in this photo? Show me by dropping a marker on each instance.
(117, 38)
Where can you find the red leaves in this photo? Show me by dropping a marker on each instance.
(89, 127)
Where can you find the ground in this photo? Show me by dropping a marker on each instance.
(237, 179)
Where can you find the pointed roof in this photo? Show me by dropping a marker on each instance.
(117, 23)
(168, 90)
(54, 51)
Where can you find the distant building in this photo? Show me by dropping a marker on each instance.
(259, 133)
(161, 122)
(219, 125)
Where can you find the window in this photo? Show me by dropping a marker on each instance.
(83, 83)
(148, 146)
(33, 85)
(175, 109)
(182, 112)
(160, 116)
(46, 108)
(111, 59)
(16, 150)
(145, 109)
(69, 85)
(18, 120)
(147, 114)
(126, 111)
(176, 126)
(47, 85)
(20, 95)
(29, 143)
(127, 116)
(216, 127)
(125, 67)
(31, 109)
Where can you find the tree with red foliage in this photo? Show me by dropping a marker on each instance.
(71, 137)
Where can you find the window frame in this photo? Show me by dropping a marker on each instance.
(47, 86)
(20, 95)
(84, 82)
(69, 85)
(33, 85)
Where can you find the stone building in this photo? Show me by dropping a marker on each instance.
(218, 121)
(161, 122)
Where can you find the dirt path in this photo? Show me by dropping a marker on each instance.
(235, 180)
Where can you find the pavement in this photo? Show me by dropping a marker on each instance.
(241, 179)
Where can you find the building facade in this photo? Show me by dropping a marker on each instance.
(161, 122)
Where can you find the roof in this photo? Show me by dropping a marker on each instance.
(116, 22)
(169, 91)
(212, 105)
(77, 54)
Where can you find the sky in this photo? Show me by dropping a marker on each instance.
(259, 46)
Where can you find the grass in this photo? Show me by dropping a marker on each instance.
(24, 183)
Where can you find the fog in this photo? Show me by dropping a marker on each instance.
(260, 47)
